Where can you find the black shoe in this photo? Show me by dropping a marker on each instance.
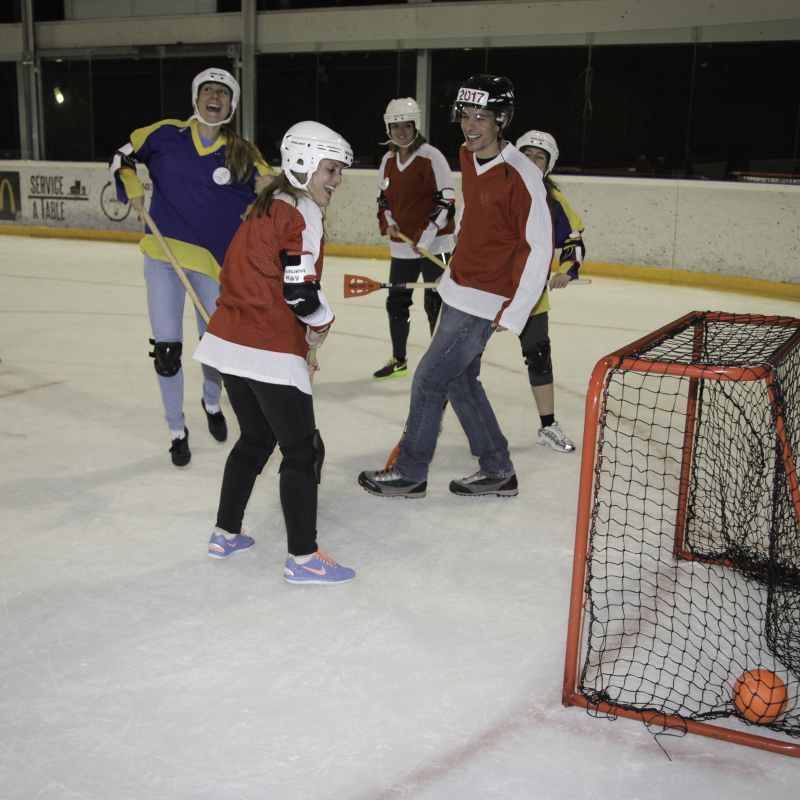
(181, 455)
(217, 426)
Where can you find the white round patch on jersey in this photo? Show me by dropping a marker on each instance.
(384, 184)
(221, 176)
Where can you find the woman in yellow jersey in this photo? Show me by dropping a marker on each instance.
(204, 177)
(542, 150)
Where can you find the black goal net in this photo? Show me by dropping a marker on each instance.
(693, 570)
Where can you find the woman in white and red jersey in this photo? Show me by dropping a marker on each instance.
(505, 244)
(416, 198)
(269, 314)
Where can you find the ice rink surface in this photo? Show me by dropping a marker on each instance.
(133, 667)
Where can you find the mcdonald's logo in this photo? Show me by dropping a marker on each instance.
(9, 195)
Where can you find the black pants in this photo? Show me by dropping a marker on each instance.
(407, 270)
(270, 414)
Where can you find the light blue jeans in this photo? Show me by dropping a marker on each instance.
(165, 300)
(450, 369)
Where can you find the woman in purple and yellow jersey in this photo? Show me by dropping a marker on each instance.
(542, 150)
(204, 177)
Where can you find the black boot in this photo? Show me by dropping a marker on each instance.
(217, 426)
(181, 455)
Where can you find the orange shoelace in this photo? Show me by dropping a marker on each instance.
(326, 558)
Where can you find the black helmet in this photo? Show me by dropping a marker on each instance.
(489, 92)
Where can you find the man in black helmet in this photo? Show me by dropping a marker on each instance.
(496, 275)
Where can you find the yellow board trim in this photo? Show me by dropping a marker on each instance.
(695, 280)
(358, 251)
(627, 272)
(72, 233)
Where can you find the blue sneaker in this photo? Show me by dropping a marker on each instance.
(220, 547)
(321, 569)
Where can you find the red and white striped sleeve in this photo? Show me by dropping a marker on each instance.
(385, 218)
(534, 254)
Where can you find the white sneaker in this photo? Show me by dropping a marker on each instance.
(553, 436)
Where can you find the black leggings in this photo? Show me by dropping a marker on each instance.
(270, 414)
(407, 270)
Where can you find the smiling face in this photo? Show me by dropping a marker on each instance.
(539, 157)
(324, 181)
(403, 133)
(214, 102)
(480, 131)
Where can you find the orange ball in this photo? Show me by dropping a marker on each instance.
(760, 696)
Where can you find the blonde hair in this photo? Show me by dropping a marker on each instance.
(412, 148)
(280, 183)
(240, 156)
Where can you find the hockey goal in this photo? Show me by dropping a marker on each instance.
(687, 554)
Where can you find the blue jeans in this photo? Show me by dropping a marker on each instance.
(165, 300)
(450, 369)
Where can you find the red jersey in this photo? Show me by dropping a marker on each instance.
(411, 197)
(254, 333)
(505, 240)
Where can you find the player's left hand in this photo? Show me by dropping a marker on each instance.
(499, 328)
(559, 280)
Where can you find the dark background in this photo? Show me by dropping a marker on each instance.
(679, 110)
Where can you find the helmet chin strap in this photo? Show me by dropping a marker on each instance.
(197, 116)
(416, 136)
(291, 178)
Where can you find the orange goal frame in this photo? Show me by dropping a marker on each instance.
(588, 486)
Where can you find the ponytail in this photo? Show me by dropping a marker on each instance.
(551, 187)
(262, 203)
(240, 156)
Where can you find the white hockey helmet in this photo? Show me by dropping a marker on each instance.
(215, 76)
(544, 141)
(305, 144)
(403, 109)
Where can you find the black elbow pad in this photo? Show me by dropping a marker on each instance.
(300, 284)
(302, 298)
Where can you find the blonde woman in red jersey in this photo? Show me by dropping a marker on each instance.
(270, 282)
(416, 198)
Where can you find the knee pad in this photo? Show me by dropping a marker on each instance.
(253, 452)
(537, 357)
(298, 457)
(433, 304)
(397, 307)
(167, 357)
(319, 455)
